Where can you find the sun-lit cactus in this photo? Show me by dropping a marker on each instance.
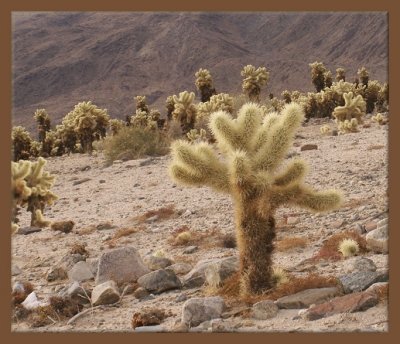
(363, 75)
(90, 123)
(204, 84)
(340, 74)
(44, 125)
(287, 97)
(353, 108)
(318, 71)
(379, 118)
(195, 135)
(371, 93)
(325, 129)
(67, 134)
(116, 125)
(254, 147)
(382, 103)
(348, 247)
(348, 126)
(170, 106)
(30, 187)
(328, 78)
(253, 80)
(21, 143)
(184, 110)
(141, 104)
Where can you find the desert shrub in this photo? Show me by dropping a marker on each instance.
(135, 143)
(318, 71)
(116, 125)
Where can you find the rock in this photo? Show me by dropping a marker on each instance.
(361, 280)
(31, 302)
(308, 146)
(180, 327)
(102, 181)
(81, 271)
(377, 240)
(15, 270)
(356, 302)
(105, 293)
(179, 268)
(181, 298)
(377, 286)
(264, 310)
(363, 263)
(94, 264)
(121, 265)
(360, 229)
(18, 287)
(218, 325)
(383, 222)
(156, 263)
(197, 310)
(305, 298)
(187, 213)
(140, 293)
(146, 162)
(196, 277)
(338, 223)
(80, 181)
(63, 226)
(56, 273)
(104, 226)
(190, 249)
(292, 220)
(159, 281)
(76, 292)
(217, 272)
(148, 316)
(27, 230)
(371, 225)
(152, 328)
(152, 219)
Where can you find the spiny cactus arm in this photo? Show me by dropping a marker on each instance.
(263, 132)
(280, 138)
(305, 197)
(249, 119)
(294, 173)
(20, 169)
(198, 165)
(40, 221)
(240, 173)
(223, 129)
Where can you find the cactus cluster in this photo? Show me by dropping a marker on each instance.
(350, 115)
(325, 129)
(30, 188)
(340, 74)
(116, 125)
(196, 135)
(253, 80)
(363, 76)
(204, 84)
(320, 76)
(44, 125)
(254, 147)
(21, 143)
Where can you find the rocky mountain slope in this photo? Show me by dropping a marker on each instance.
(60, 59)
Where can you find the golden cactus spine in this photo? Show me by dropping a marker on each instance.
(254, 147)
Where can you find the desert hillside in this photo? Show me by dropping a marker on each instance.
(60, 59)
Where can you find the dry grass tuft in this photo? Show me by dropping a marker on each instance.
(80, 249)
(289, 243)
(209, 238)
(63, 226)
(17, 297)
(148, 316)
(122, 232)
(228, 241)
(163, 213)
(373, 147)
(231, 287)
(382, 292)
(329, 250)
(87, 230)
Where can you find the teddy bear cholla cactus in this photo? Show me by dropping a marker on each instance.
(204, 84)
(349, 116)
(184, 110)
(21, 143)
(318, 71)
(253, 80)
(254, 146)
(340, 74)
(43, 120)
(30, 187)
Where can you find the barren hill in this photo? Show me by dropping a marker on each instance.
(60, 58)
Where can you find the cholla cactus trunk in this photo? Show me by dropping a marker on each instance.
(254, 145)
(206, 93)
(86, 139)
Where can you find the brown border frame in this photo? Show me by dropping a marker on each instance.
(204, 5)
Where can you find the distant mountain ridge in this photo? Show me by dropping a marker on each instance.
(61, 58)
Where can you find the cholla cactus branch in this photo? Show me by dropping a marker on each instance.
(249, 173)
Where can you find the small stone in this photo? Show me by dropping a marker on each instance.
(122, 265)
(104, 226)
(31, 302)
(351, 303)
(156, 263)
(197, 310)
(76, 292)
(292, 220)
(102, 181)
(152, 328)
(105, 293)
(338, 223)
(15, 270)
(187, 213)
(152, 219)
(28, 230)
(363, 263)
(307, 297)
(159, 281)
(377, 240)
(369, 226)
(361, 280)
(80, 181)
(308, 146)
(94, 263)
(179, 268)
(140, 293)
(264, 310)
(80, 272)
(136, 185)
(190, 249)
(56, 273)
(146, 162)
(382, 223)
(181, 298)
(377, 286)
